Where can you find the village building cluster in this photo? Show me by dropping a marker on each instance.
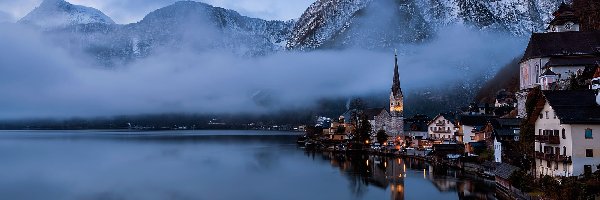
(558, 95)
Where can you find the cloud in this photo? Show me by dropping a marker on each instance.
(5, 17)
(39, 79)
(131, 11)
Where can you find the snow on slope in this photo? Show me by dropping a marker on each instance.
(59, 13)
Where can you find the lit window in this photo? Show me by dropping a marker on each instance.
(588, 133)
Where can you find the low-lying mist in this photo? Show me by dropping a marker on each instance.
(40, 79)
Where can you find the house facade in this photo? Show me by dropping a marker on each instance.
(442, 127)
(567, 127)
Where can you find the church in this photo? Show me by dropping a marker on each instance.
(553, 57)
(396, 104)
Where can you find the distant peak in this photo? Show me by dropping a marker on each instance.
(59, 13)
(53, 3)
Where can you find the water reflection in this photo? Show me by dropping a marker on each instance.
(209, 165)
(392, 174)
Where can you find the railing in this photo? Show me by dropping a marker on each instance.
(553, 157)
(550, 139)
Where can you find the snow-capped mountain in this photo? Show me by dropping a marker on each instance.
(185, 24)
(59, 13)
(382, 23)
(325, 24)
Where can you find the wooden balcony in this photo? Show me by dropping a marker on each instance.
(553, 157)
(441, 131)
(548, 139)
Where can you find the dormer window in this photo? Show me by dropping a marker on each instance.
(547, 116)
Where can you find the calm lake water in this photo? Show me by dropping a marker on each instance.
(209, 165)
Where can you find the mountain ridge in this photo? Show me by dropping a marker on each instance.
(59, 13)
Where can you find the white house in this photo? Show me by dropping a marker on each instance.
(442, 127)
(568, 133)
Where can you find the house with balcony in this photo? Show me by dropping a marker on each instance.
(442, 128)
(567, 138)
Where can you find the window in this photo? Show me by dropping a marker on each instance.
(587, 170)
(549, 164)
(564, 134)
(541, 116)
(589, 153)
(556, 133)
(547, 116)
(554, 114)
(588, 133)
(556, 165)
(564, 151)
(539, 131)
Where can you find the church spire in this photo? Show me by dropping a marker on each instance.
(396, 90)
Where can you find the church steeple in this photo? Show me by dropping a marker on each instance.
(396, 89)
(396, 96)
(396, 103)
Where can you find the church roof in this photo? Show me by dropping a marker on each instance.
(396, 89)
(574, 106)
(372, 112)
(563, 9)
(564, 14)
(558, 44)
(573, 61)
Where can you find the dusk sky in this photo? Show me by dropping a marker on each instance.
(129, 11)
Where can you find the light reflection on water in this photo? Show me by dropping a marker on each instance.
(208, 165)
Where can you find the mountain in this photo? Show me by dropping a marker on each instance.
(59, 13)
(384, 23)
(372, 24)
(185, 24)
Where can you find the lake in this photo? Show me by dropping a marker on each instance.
(210, 165)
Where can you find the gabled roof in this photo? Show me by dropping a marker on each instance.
(448, 116)
(509, 122)
(504, 170)
(474, 120)
(574, 106)
(506, 132)
(562, 44)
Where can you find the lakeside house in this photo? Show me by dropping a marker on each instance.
(442, 128)
(565, 144)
